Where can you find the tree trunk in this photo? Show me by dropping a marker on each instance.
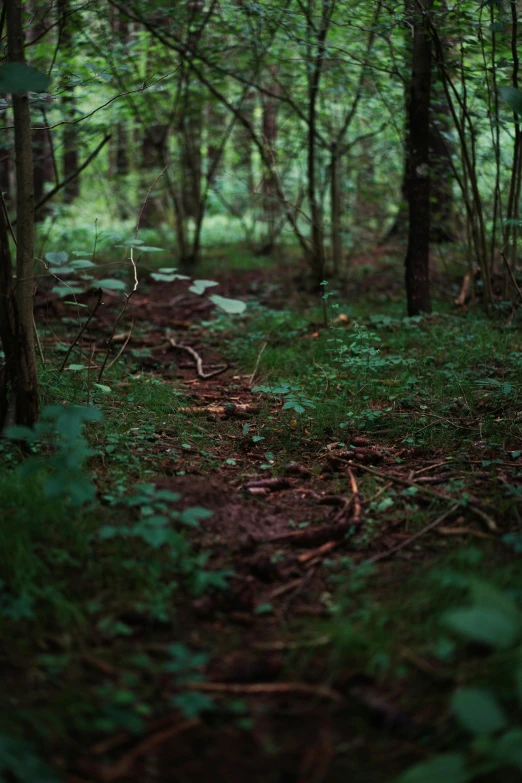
(442, 202)
(18, 386)
(336, 211)
(43, 159)
(418, 173)
(70, 159)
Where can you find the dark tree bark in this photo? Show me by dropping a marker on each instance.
(43, 158)
(70, 157)
(270, 198)
(336, 207)
(418, 167)
(18, 379)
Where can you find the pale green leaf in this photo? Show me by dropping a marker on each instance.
(57, 259)
(481, 624)
(111, 284)
(199, 286)
(232, 306)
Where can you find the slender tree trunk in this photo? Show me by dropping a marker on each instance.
(336, 211)
(270, 198)
(43, 158)
(18, 387)
(418, 173)
(70, 158)
(316, 256)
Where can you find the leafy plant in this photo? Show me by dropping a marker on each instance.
(58, 436)
(293, 397)
(495, 620)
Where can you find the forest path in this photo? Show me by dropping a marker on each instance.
(293, 698)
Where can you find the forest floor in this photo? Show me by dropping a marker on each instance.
(297, 637)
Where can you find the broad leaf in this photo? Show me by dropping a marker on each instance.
(509, 748)
(512, 97)
(57, 259)
(66, 290)
(82, 263)
(232, 306)
(481, 624)
(446, 768)
(18, 432)
(111, 284)
(199, 286)
(478, 711)
(168, 278)
(18, 78)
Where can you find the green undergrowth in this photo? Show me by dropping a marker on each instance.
(442, 381)
(91, 549)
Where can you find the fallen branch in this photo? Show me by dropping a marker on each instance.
(123, 767)
(199, 361)
(265, 689)
(432, 493)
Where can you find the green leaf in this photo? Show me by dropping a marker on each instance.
(191, 704)
(231, 306)
(264, 609)
(192, 516)
(82, 263)
(61, 271)
(17, 432)
(77, 367)
(508, 748)
(481, 624)
(104, 389)
(478, 711)
(57, 259)
(486, 595)
(446, 768)
(111, 284)
(18, 78)
(199, 286)
(512, 97)
(168, 277)
(66, 290)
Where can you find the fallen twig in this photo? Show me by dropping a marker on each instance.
(124, 766)
(199, 361)
(121, 349)
(490, 523)
(259, 355)
(272, 484)
(411, 539)
(265, 689)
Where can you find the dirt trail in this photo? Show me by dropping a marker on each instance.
(274, 535)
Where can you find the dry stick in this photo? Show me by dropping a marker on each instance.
(82, 330)
(411, 539)
(259, 355)
(490, 523)
(122, 348)
(265, 689)
(199, 361)
(123, 767)
(356, 497)
(512, 276)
